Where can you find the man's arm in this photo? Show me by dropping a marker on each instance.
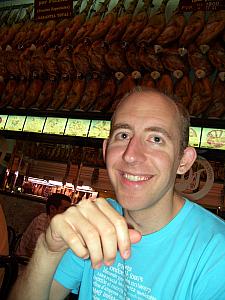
(36, 280)
(90, 229)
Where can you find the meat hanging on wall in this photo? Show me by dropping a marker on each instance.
(155, 26)
(76, 22)
(117, 30)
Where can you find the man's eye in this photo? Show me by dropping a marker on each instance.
(157, 139)
(122, 136)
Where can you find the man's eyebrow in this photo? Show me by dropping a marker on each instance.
(120, 126)
(160, 130)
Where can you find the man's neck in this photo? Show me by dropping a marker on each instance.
(154, 218)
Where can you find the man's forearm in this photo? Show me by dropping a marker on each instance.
(36, 280)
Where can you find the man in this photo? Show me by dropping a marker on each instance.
(178, 248)
(55, 204)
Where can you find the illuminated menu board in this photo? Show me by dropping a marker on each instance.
(15, 123)
(77, 127)
(194, 136)
(55, 125)
(34, 124)
(3, 119)
(99, 129)
(213, 138)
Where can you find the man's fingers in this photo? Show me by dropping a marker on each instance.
(122, 233)
(135, 236)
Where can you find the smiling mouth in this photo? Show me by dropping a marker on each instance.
(135, 178)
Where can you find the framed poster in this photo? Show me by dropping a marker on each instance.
(34, 124)
(55, 125)
(77, 127)
(15, 123)
(99, 129)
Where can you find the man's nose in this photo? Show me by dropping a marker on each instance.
(134, 151)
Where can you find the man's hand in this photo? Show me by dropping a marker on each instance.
(92, 228)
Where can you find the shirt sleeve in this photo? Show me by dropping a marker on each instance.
(211, 282)
(70, 271)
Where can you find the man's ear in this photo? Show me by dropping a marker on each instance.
(105, 144)
(187, 160)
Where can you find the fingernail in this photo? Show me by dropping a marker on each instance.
(98, 266)
(109, 263)
(126, 254)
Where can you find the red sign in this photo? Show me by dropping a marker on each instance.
(205, 5)
(52, 9)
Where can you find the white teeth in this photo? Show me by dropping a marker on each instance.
(135, 178)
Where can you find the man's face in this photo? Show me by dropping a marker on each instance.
(142, 155)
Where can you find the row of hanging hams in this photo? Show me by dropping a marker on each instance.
(118, 24)
(86, 62)
(202, 97)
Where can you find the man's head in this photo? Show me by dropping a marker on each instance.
(56, 204)
(148, 146)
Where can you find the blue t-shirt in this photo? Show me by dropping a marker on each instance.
(184, 260)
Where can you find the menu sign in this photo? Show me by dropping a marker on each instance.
(194, 136)
(213, 138)
(77, 127)
(34, 124)
(15, 123)
(99, 129)
(52, 9)
(3, 119)
(206, 5)
(55, 125)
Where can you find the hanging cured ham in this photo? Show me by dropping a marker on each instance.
(150, 60)
(88, 27)
(19, 94)
(61, 93)
(12, 61)
(216, 55)
(9, 35)
(46, 94)
(8, 93)
(102, 28)
(133, 58)
(183, 90)
(116, 58)
(106, 95)
(147, 81)
(173, 62)
(50, 63)
(138, 23)
(25, 62)
(165, 85)
(74, 96)
(58, 32)
(199, 62)
(76, 22)
(117, 30)
(214, 26)
(46, 32)
(126, 85)
(155, 26)
(217, 104)
(37, 62)
(3, 69)
(201, 96)
(33, 34)
(32, 93)
(80, 59)
(91, 93)
(65, 62)
(194, 26)
(96, 55)
(21, 35)
(173, 30)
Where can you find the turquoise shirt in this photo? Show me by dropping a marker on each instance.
(185, 260)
